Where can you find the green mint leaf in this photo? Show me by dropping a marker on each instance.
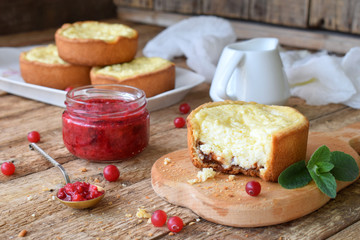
(345, 166)
(323, 167)
(325, 182)
(295, 176)
(322, 154)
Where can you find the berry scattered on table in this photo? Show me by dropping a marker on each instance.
(179, 122)
(111, 173)
(7, 168)
(184, 108)
(158, 218)
(33, 136)
(175, 224)
(253, 188)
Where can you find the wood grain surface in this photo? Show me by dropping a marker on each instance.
(26, 197)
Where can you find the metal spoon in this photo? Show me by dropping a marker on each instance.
(72, 204)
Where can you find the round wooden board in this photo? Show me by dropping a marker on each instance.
(223, 201)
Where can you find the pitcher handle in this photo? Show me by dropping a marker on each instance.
(228, 61)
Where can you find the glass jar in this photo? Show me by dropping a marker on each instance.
(106, 123)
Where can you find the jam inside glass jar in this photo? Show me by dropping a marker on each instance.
(106, 123)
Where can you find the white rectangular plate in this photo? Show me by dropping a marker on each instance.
(12, 82)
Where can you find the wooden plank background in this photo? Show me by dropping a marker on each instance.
(27, 15)
(335, 15)
(290, 37)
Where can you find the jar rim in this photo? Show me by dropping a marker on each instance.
(80, 96)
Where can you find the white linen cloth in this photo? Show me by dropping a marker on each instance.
(321, 78)
(200, 39)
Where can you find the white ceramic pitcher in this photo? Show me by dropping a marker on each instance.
(251, 71)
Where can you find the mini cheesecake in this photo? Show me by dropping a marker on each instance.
(153, 75)
(249, 138)
(43, 66)
(93, 43)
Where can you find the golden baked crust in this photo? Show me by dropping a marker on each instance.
(152, 83)
(287, 147)
(59, 76)
(95, 52)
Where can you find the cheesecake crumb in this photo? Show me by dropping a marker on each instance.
(167, 161)
(203, 175)
(231, 178)
(142, 213)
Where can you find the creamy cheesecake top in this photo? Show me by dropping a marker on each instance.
(45, 54)
(138, 66)
(97, 30)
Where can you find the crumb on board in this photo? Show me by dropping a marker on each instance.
(83, 169)
(142, 213)
(231, 178)
(203, 175)
(167, 161)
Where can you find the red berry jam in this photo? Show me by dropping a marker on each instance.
(106, 123)
(79, 191)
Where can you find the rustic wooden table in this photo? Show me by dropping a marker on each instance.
(26, 201)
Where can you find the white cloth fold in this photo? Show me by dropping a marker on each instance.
(200, 39)
(320, 78)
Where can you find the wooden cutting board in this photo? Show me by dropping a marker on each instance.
(225, 202)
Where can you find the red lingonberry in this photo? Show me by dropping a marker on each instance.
(7, 168)
(184, 108)
(179, 122)
(111, 173)
(158, 218)
(33, 136)
(253, 188)
(175, 224)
